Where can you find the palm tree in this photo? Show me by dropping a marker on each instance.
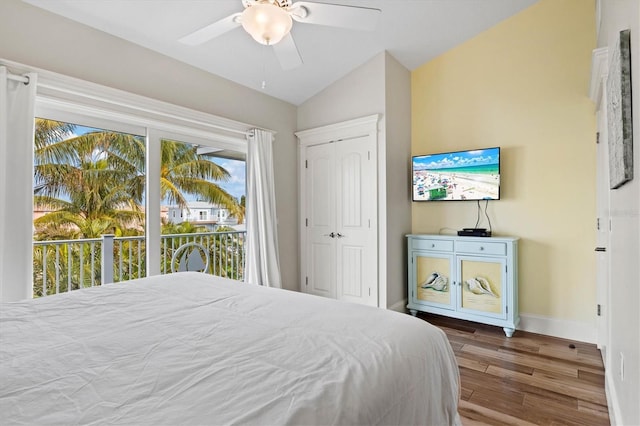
(94, 183)
(183, 171)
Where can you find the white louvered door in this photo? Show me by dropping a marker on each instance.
(341, 220)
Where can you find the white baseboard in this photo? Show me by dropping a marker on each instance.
(400, 306)
(572, 330)
(612, 398)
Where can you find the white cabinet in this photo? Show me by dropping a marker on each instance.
(471, 278)
(338, 182)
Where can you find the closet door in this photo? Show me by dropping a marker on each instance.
(355, 220)
(321, 220)
(339, 210)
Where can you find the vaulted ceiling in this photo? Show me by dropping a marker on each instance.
(412, 31)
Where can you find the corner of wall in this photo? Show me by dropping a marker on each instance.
(397, 150)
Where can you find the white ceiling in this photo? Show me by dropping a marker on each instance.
(413, 31)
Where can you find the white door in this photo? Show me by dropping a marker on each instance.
(321, 220)
(356, 227)
(341, 228)
(602, 232)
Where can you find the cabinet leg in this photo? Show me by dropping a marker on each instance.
(508, 331)
(413, 312)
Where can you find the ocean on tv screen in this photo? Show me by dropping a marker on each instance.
(464, 175)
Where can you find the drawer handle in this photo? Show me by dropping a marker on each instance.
(481, 248)
(433, 245)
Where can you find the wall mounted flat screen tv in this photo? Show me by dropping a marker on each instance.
(460, 175)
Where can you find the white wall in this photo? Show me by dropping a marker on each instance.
(37, 38)
(624, 247)
(380, 86)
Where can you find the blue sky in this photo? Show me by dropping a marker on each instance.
(477, 157)
(236, 185)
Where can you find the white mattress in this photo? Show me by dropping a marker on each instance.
(190, 348)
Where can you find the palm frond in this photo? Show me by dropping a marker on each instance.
(96, 181)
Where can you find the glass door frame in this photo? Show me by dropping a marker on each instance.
(154, 133)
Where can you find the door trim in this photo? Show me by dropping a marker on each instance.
(360, 127)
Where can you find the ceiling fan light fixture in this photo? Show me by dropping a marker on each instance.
(266, 22)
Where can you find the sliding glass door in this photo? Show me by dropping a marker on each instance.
(115, 202)
(202, 191)
(88, 194)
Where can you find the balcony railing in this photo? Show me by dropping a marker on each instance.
(66, 265)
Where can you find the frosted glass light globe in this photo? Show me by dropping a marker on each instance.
(267, 23)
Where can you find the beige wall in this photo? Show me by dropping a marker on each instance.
(624, 245)
(398, 154)
(523, 85)
(357, 94)
(34, 37)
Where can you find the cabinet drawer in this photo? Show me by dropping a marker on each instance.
(433, 245)
(481, 247)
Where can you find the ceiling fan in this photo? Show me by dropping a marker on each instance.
(269, 22)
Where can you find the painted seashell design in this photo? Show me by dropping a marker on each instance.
(480, 285)
(436, 282)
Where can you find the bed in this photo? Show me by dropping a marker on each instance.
(193, 349)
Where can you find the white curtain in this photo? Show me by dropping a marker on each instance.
(17, 100)
(262, 264)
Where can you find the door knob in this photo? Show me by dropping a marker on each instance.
(332, 235)
(339, 235)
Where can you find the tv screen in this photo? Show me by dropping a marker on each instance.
(460, 175)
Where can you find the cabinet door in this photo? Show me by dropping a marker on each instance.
(320, 207)
(483, 286)
(356, 228)
(433, 280)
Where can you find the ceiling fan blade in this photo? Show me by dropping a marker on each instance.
(287, 53)
(212, 30)
(335, 15)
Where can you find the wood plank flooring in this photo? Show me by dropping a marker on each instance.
(526, 379)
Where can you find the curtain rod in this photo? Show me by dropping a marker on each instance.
(251, 132)
(22, 78)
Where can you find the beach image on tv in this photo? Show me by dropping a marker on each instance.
(464, 175)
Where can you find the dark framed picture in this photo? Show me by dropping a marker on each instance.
(619, 113)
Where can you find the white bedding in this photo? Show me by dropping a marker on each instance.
(189, 348)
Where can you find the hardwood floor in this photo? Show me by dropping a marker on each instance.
(526, 379)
